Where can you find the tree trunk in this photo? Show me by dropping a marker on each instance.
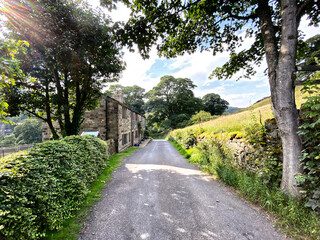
(285, 110)
(48, 113)
(59, 99)
(281, 71)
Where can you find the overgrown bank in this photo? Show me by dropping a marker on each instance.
(42, 188)
(291, 215)
(254, 166)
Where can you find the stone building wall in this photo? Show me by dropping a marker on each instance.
(95, 120)
(113, 120)
(124, 129)
(111, 147)
(46, 132)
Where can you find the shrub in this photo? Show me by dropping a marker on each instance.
(41, 188)
(201, 117)
(267, 156)
(8, 141)
(188, 139)
(310, 157)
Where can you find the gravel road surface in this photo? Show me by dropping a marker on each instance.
(157, 194)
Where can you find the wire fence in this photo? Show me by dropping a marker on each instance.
(8, 150)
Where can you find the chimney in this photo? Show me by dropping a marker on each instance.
(119, 97)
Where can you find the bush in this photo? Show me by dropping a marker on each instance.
(267, 155)
(310, 134)
(8, 141)
(188, 140)
(41, 188)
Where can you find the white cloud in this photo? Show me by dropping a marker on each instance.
(241, 99)
(121, 14)
(198, 66)
(309, 31)
(137, 68)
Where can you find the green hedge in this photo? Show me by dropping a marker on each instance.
(41, 188)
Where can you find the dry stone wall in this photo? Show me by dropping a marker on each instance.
(245, 153)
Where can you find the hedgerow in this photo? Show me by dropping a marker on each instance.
(43, 187)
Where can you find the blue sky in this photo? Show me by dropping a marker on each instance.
(197, 67)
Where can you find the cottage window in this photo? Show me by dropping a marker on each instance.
(124, 112)
(124, 139)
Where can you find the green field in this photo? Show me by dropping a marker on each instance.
(239, 121)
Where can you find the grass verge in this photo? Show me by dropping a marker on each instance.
(290, 214)
(72, 226)
(180, 149)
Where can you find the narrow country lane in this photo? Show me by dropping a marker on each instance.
(157, 194)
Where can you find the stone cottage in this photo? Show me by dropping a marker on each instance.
(112, 120)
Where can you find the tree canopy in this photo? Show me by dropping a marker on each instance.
(310, 56)
(9, 68)
(201, 117)
(172, 102)
(28, 131)
(72, 54)
(214, 104)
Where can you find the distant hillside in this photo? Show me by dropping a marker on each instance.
(231, 110)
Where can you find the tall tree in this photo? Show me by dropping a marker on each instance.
(214, 104)
(28, 131)
(172, 99)
(179, 27)
(72, 55)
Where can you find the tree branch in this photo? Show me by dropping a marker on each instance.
(308, 68)
(302, 7)
(35, 114)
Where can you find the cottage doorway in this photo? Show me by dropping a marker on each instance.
(132, 138)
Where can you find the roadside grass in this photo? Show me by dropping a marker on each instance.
(182, 151)
(289, 214)
(72, 227)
